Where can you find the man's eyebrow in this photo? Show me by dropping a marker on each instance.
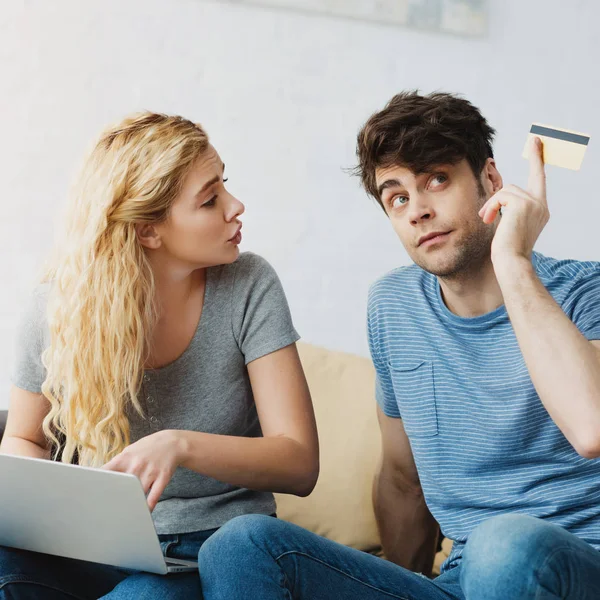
(389, 183)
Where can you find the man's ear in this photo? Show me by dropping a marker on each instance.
(492, 180)
(148, 236)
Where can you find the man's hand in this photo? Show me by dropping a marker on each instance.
(524, 213)
(153, 460)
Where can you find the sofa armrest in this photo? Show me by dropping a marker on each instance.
(3, 415)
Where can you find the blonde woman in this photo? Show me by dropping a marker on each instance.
(156, 348)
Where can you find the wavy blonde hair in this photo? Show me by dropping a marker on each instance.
(101, 308)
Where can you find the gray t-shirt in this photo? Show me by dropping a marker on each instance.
(245, 316)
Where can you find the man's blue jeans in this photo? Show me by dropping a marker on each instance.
(510, 557)
(30, 576)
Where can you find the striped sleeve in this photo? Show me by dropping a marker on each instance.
(582, 304)
(384, 390)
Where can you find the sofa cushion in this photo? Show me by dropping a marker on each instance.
(442, 555)
(340, 508)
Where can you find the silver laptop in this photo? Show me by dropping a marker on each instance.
(79, 512)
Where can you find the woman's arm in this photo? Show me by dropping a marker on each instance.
(23, 435)
(285, 460)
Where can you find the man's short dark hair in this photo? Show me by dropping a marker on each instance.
(420, 132)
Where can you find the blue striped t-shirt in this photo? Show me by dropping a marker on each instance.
(482, 440)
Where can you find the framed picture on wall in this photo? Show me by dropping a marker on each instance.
(460, 17)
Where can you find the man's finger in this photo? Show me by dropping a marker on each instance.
(489, 211)
(537, 173)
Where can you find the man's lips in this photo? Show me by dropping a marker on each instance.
(433, 237)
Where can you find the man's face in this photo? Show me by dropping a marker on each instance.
(435, 214)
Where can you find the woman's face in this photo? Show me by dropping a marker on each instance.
(203, 228)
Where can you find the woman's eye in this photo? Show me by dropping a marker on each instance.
(210, 202)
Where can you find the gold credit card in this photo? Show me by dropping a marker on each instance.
(561, 147)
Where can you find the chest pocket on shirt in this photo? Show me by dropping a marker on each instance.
(414, 389)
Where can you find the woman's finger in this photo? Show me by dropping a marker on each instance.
(147, 480)
(158, 487)
(115, 464)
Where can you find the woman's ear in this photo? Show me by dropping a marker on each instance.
(148, 236)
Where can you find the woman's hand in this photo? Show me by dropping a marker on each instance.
(153, 460)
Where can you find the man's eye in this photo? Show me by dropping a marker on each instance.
(399, 201)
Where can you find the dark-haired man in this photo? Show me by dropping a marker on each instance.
(488, 389)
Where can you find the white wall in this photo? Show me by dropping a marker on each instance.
(282, 95)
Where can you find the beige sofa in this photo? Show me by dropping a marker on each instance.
(340, 508)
